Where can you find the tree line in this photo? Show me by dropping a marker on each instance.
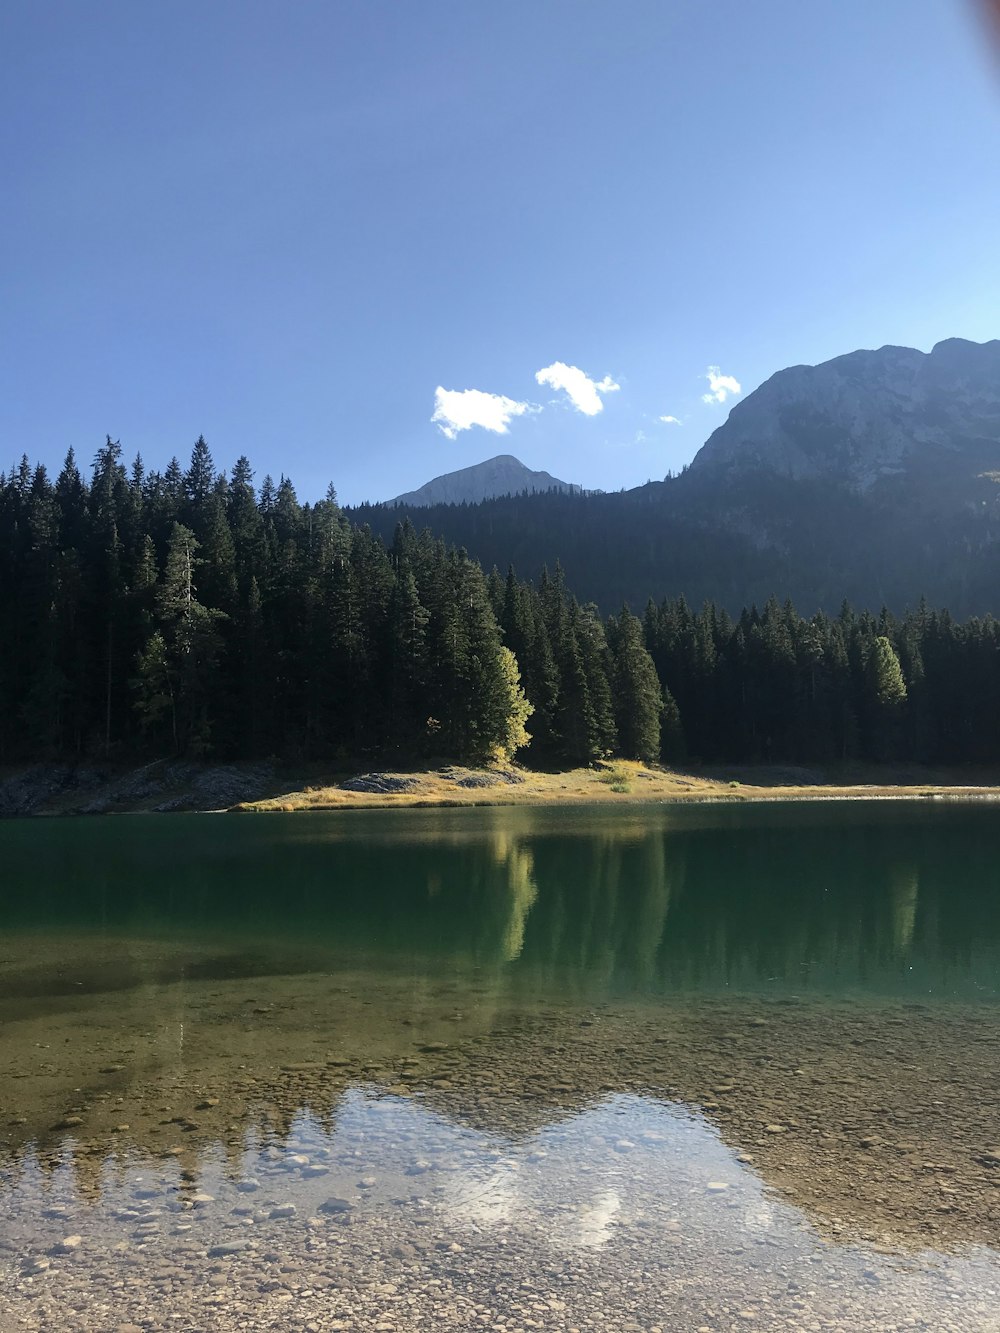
(193, 612)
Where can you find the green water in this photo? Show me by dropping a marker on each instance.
(889, 898)
(758, 1039)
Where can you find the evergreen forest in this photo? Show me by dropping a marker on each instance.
(192, 612)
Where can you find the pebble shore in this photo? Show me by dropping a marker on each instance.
(326, 1152)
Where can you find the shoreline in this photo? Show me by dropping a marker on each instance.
(167, 786)
(585, 787)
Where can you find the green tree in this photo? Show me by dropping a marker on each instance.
(673, 747)
(885, 675)
(512, 709)
(176, 667)
(636, 691)
(886, 698)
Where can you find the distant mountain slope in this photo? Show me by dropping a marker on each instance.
(873, 477)
(866, 416)
(503, 475)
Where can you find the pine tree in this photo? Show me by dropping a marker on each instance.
(177, 665)
(513, 709)
(673, 747)
(886, 698)
(199, 483)
(637, 691)
(408, 620)
(885, 676)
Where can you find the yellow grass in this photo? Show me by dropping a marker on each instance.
(624, 782)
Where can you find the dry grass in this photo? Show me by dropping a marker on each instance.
(622, 781)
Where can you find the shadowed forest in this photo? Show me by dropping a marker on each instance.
(145, 614)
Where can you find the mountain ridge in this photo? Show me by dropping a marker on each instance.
(873, 477)
(501, 475)
(862, 416)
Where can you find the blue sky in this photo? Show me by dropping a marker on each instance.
(286, 226)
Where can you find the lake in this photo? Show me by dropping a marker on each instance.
(635, 1068)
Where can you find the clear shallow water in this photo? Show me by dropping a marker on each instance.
(681, 1068)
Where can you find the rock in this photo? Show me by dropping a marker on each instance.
(861, 418)
(478, 780)
(493, 777)
(336, 1205)
(379, 783)
(62, 788)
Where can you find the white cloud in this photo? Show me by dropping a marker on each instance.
(719, 386)
(583, 392)
(671, 421)
(461, 409)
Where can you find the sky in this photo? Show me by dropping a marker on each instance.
(373, 241)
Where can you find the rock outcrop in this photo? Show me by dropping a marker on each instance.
(866, 416)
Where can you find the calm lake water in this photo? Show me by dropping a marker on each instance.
(677, 1068)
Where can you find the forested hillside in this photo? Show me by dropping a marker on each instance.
(740, 540)
(188, 612)
(872, 477)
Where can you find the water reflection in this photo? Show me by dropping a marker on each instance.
(712, 1030)
(368, 1210)
(894, 900)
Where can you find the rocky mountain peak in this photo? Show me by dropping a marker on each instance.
(502, 475)
(864, 416)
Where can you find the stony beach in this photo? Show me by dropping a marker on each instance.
(329, 1152)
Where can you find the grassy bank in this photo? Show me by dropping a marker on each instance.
(629, 782)
(166, 786)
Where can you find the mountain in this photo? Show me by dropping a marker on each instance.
(873, 477)
(503, 475)
(866, 417)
